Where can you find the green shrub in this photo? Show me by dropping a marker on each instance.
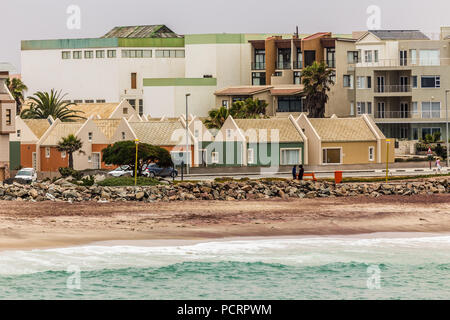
(67, 172)
(127, 181)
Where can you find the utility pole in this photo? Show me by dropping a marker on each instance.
(187, 135)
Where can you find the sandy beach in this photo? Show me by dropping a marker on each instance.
(58, 224)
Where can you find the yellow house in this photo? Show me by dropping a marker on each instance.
(339, 141)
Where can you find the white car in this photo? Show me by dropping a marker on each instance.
(120, 171)
(27, 174)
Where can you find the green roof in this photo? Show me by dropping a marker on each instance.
(149, 31)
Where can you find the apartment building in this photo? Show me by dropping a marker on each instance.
(400, 78)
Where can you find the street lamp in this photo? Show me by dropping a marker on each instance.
(187, 134)
(446, 124)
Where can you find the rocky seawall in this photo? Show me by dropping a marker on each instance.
(62, 190)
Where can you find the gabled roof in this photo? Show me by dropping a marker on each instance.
(159, 133)
(61, 130)
(399, 34)
(286, 129)
(149, 31)
(242, 90)
(37, 126)
(287, 91)
(103, 110)
(107, 126)
(342, 129)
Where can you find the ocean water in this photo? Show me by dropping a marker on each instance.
(380, 266)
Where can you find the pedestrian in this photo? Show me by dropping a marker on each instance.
(294, 172)
(301, 172)
(438, 164)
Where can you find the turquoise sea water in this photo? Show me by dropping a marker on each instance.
(346, 267)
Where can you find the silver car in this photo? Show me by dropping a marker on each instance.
(27, 174)
(121, 171)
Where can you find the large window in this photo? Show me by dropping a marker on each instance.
(77, 54)
(290, 156)
(429, 57)
(111, 53)
(331, 57)
(310, 57)
(99, 54)
(348, 81)
(284, 58)
(368, 55)
(169, 53)
(431, 109)
(89, 54)
(290, 104)
(297, 77)
(258, 78)
(352, 56)
(259, 59)
(331, 155)
(431, 82)
(431, 131)
(136, 53)
(66, 54)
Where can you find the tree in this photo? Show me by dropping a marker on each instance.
(16, 87)
(70, 144)
(317, 81)
(124, 153)
(248, 109)
(44, 104)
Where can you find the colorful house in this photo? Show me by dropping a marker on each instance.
(338, 141)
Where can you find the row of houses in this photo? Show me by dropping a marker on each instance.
(240, 142)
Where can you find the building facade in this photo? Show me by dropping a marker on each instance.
(7, 124)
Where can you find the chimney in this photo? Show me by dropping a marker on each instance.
(296, 32)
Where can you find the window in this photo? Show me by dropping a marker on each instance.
(331, 57)
(375, 55)
(225, 103)
(89, 54)
(369, 107)
(369, 82)
(169, 53)
(381, 110)
(310, 57)
(431, 131)
(125, 110)
(290, 104)
(100, 101)
(414, 82)
(403, 57)
(123, 135)
(371, 153)
(214, 157)
(290, 156)
(90, 136)
(47, 152)
(100, 54)
(415, 109)
(132, 102)
(77, 54)
(141, 107)
(77, 101)
(284, 58)
(259, 59)
(250, 156)
(229, 133)
(18, 133)
(258, 78)
(89, 159)
(413, 53)
(348, 81)
(111, 53)
(133, 80)
(368, 55)
(352, 109)
(431, 82)
(431, 110)
(89, 101)
(331, 156)
(360, 82)
(415, 133)
(136, 53)
(63, 154)
(8, 117)
(352, 56)
(360, 108)
(429, 57)
(66, 54)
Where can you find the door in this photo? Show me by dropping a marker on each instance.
(381, 110)
(380, 84)
(404, 110)
(403, 57)
(404, 84)
(96, 161)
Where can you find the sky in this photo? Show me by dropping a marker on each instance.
(47, 19)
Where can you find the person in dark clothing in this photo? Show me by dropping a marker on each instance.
(294, 172)
(301, 172)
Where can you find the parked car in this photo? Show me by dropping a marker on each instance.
(121, 171)
(153, 170)
(27, 174)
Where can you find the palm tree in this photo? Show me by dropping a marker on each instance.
(70, 144)
(317, 81)
(217, 117)
(44, 104)
(16, 87)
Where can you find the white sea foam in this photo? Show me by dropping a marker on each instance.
(288, 251)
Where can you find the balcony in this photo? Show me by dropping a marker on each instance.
(298, 64)
(395, 114)
(283, 65)
(392, 88)
(258, 65)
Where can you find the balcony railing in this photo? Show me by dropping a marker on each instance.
(392, 88)
(401, 62)
(298, 64)
(258, 66)
(395, 114)
(283, 65)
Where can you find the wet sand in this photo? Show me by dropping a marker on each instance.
(26, 225)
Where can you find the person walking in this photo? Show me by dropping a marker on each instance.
(438, 165)
(294, 172)
(301, 172)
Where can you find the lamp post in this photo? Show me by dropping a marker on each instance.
(446, 124)
(187, 134)
(135, 164)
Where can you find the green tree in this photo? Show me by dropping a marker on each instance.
(317, 81)
(70, 144)
(17, 87)
(248, 109)
(44, 104)
(124, 153)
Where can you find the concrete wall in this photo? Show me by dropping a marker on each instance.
(354, 152)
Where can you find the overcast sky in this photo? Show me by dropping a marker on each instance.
(47, 19)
